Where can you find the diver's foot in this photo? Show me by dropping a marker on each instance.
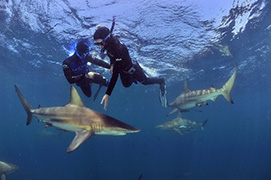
(163, 93)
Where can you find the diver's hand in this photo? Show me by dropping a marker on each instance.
(105, 101)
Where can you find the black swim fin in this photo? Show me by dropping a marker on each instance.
(97, 92)
(163, 98)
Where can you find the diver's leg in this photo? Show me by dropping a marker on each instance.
(126, 79)
(97, 78)
(140, 76)
(85, 88)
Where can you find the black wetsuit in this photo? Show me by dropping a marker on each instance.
(128, 69)
(75, 70)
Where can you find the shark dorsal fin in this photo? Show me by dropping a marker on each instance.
(186, 88)
(75, 98)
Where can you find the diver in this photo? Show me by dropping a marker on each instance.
(121, 64)
(76, 68)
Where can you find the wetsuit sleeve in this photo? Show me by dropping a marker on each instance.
(97, 61)
(68, 73)
(113, 81)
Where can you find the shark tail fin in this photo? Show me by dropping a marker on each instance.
(26, 105)
(203, 124)
(226, 89)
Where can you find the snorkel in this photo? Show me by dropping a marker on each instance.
(110, 33)
(111, 30)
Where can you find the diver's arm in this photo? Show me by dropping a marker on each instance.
(105, 101)
(113, 81)
(110, 88)
(97, 61)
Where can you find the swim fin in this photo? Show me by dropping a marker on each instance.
(163, 98)
(97, 92)
(163, 93)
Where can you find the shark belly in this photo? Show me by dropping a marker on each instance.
(60, 122)
(111, 133)
(187, 105)
(66, 127)
(193, 101)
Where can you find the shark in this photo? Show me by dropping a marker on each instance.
(182, 126)
(6, 168)
(189, 99)
(76, 117)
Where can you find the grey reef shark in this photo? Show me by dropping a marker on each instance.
(6, 168)
(76, 117)
(182, 126)
(189, 99)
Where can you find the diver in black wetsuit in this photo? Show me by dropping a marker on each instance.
(76, 70)
(121, 64)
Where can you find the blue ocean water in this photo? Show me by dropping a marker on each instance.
(176, 40)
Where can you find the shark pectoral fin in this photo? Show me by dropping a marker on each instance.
(3, 176)
(79, 139)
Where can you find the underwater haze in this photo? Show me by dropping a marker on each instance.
(198, 40)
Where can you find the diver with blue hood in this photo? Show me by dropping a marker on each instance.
(76, 68)
(122, 64)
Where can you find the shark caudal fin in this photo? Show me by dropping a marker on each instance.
(26, 106)
(226, 89)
